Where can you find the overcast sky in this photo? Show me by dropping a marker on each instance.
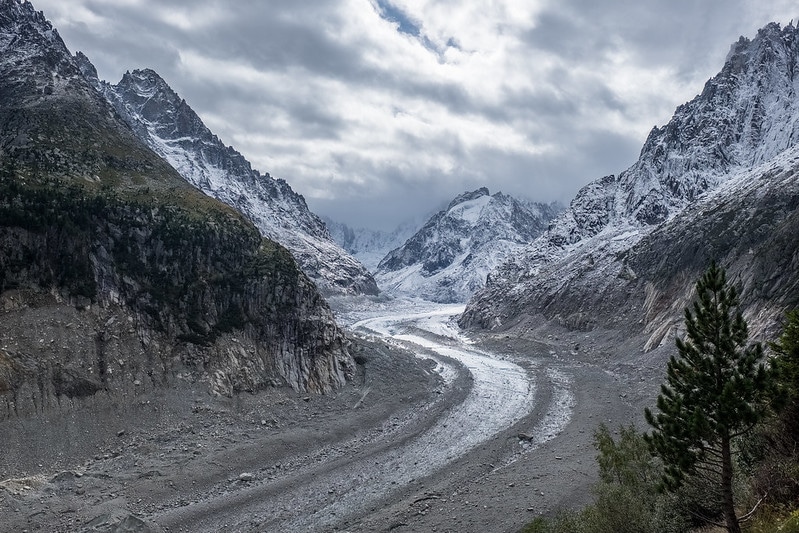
(381, 110)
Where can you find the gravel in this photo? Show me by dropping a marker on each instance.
(182, 460)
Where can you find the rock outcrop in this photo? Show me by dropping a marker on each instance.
(629, 248)
(169, 126)
(115, 274)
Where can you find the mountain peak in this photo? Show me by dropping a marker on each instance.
(31, 50)
(135, 243)
(746, 117)
(171, 128)
(450, 256)
(147, 82)
(20, 11)
(465, 197)
(20, 19)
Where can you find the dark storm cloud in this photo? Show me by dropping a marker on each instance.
(686, 35)
(278, 36)
(379, 109)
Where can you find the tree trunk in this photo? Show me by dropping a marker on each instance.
(730, 519)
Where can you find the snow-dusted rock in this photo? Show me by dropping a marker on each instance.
(116, 275)
(587, 269)
(448, 259)
(167, 124)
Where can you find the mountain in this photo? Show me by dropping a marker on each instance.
(367, 245)
(167, 124)
(116, 275)
(448, 259)
(719, 181)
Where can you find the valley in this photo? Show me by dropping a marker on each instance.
(435, 431)
(186, 347)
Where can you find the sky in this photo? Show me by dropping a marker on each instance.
(381, 111)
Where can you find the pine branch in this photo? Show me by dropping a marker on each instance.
(751, 513)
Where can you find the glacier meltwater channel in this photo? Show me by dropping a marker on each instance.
(319, 495)
(502, 394)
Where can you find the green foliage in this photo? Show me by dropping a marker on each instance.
(627, 499)
(715, 391)
(774, 521)
(564, 522)
(771, 455)
(625, 462)
(786, 365)
(629, 496)
(60, 217)
(191, 269)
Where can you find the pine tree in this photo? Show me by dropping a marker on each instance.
(784, 438)
(786, 365)
(716, 390)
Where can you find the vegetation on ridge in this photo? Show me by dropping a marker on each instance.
(162, 254)
(717, 390)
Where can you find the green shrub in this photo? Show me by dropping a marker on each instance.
(627, 499)
(771, 520)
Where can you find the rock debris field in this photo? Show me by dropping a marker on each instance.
(436, 432)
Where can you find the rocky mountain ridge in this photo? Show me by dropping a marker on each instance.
(168, 125)
(116, 275)
(588, 270)
(448, 259)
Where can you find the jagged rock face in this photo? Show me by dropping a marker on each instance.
(167, 124)
(744, 116)
(115, 274)
(751, 226)
(593, 267)
(449, 257)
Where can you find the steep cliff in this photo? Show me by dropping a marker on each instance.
(171, 128)
(115, 274)
(717, 175)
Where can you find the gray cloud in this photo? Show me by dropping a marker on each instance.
(379, 111)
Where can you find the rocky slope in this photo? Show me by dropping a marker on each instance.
(115, 274)
(448, 259)
(718, 181)
(166, 123)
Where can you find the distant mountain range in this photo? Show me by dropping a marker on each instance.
(719, 181)
(448, 259)
(167, 124)
(369, 246)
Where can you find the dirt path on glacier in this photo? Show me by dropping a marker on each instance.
(425, 443)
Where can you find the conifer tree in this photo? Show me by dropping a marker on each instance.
(716, 390)
(786, 365)
(785, 439)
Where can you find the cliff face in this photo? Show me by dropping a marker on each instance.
(115, 274)
(169, 126)
(720, 174)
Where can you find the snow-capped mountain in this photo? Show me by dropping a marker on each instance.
(173, 130)
(369, 246)
(448, 259)
(586, 270)
(104, 246)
